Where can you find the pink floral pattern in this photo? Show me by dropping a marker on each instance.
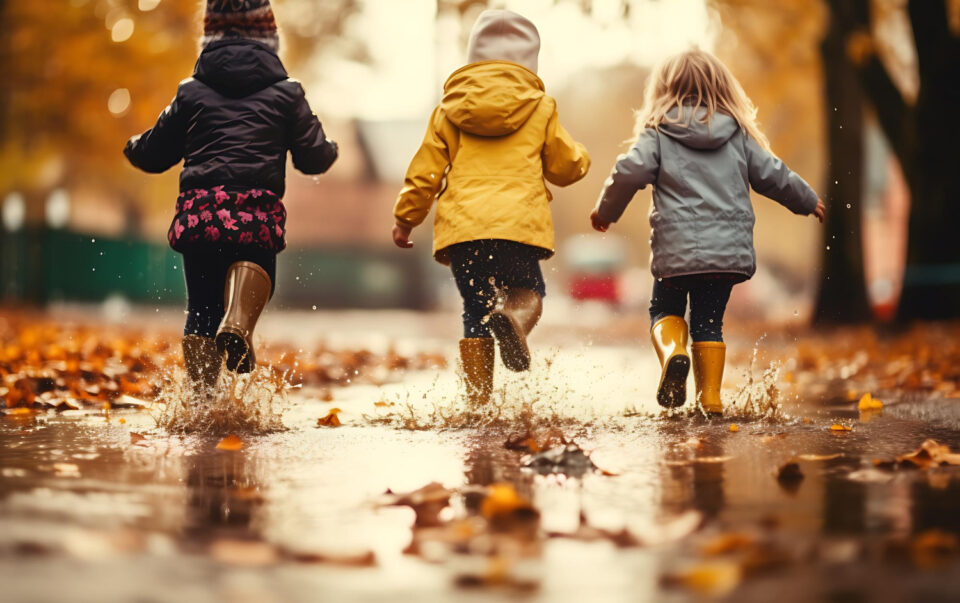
(251, 217)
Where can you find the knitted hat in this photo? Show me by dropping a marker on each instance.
(247, 19)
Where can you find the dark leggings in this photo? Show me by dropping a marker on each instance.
(482, 267)
(709, 294)
(205, 271)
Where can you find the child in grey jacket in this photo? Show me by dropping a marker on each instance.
(698, 144)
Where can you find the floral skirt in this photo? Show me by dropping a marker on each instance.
(243, 217)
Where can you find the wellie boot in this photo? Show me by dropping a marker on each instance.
(516, 313)
(246, 292)
(708, 360)
(202, 362)
(476, 359)
(669, 336)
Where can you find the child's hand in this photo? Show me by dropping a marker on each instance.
(598, 224)
(401, 236)
(820, 211)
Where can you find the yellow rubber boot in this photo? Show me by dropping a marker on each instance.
(476, 361)
(708, 361)
(669, 335)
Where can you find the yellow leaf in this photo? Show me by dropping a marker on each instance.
(231, 442)
(867, 402)
(502, 499)
(840, 427)
(734, 427)
(121, 420)
(21, 411)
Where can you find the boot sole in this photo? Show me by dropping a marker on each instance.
(233, 349)
(673, 387)
(513, 347)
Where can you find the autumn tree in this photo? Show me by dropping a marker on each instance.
(923, 133)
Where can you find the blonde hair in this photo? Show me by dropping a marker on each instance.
(695, 79)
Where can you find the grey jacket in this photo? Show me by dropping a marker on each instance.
(702, 219)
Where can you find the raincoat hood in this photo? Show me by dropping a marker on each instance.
(503, 35)
(492, 98)
(238, 68)
(698, 134)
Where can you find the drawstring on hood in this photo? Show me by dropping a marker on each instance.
(503, 35)
(695, 133)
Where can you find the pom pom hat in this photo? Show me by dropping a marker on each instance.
(240, 19)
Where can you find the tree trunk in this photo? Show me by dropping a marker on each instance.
(842, 296)
(931, 287)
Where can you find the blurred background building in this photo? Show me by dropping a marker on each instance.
(81, 76)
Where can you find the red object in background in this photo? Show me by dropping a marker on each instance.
(601, 287)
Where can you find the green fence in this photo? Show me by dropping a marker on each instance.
(44, 265)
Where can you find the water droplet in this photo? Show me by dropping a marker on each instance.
(314, 306)
(828, 248)
(848, 206)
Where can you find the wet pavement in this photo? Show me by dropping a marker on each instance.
(103, 505)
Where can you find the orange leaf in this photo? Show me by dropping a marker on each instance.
(231, 442)
(22, 411)
(840, 427)
(734, 427)
(867, 402)
(331, 420)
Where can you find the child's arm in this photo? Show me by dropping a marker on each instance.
(311, 150)
(423, 182)
(565, 160)
(772, 178)
(161, 147)
(632, 172)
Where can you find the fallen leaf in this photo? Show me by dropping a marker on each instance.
(231, 442)
(729, 542)
(932, 547)
(867, 402)
(136, 437)
(244, 553)
(840, 427)
(789, 476)
(734, 427)
(715, 578)
(930, 454)
(361, 559)
(331, 419)
(818, 457)
(427, 502)
(20, 411)
(383, 404)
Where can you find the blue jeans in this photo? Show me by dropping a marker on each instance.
(205, 271)
(482, 267)
(709, 294)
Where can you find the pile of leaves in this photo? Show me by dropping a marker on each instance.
(49, 364)
(923, 360)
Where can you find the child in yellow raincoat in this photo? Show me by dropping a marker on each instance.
(489, 146)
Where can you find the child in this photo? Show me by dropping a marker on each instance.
(489, 146)
(698, 144)
(232, 123)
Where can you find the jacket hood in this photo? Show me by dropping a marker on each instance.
(698, 134)
(503, 35)
(239, 68)
(493, 98)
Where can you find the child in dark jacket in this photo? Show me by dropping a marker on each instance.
(232, 124)
(698, 144)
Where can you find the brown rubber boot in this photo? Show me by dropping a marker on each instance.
(476, 360)
(202, 362)
(669, 336)
(246, 292)
(708, 361)
(516, 313)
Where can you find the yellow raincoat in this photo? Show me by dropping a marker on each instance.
(488, 148)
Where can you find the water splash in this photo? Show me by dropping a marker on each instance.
(246, 404)
(759, 397)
